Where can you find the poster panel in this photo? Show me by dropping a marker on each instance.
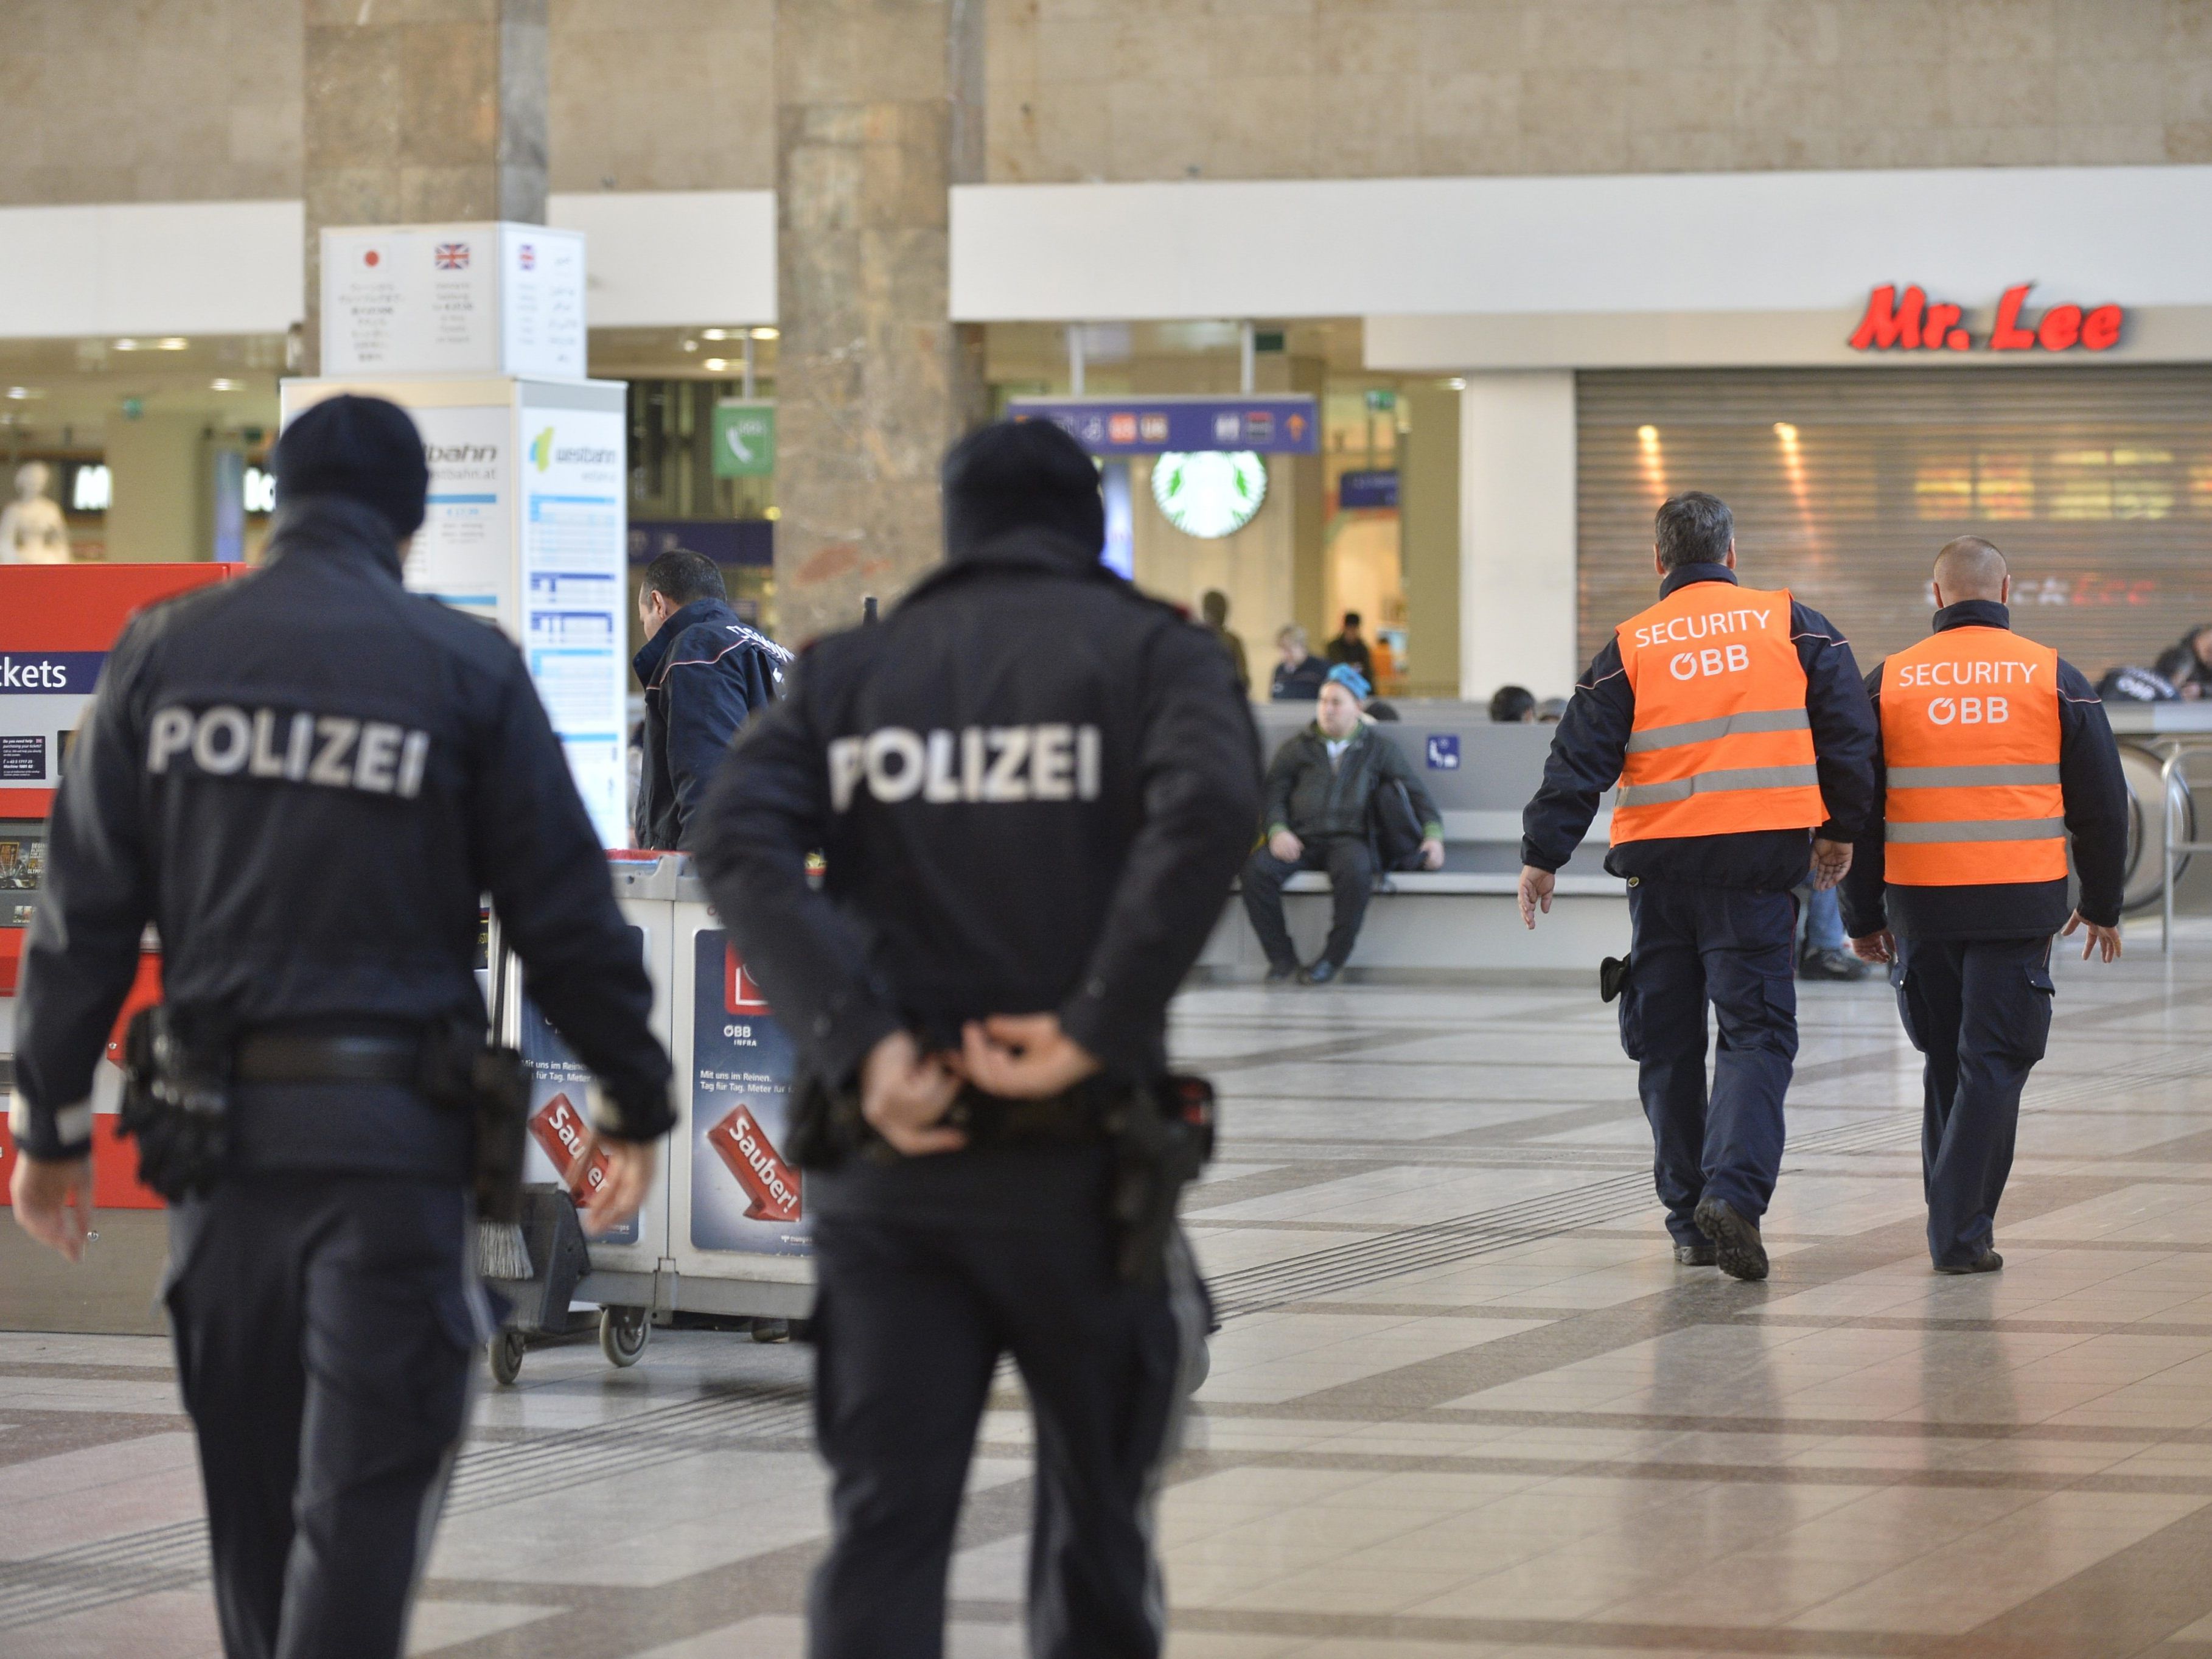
(462, 554)
(746, 1193)
(558, 1116)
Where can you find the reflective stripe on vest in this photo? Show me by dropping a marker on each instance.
(1969, 733)
(1721, 742)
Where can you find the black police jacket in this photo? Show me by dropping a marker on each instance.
(1592, 741)
(306, 780)
(2095, 793)
(1032, 785)
(705, 673)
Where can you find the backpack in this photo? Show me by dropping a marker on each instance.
(1393, 829)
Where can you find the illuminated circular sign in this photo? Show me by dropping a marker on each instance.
(1210, 492)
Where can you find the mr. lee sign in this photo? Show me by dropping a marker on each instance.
(1913, 325)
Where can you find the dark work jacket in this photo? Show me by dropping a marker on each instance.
(1312, 799)
(705, 673)
(334, 874)
(1299, 685)
(954, 899)
(2096, 797)
(1592, 742)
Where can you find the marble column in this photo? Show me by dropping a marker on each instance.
(878, 113)
(421, 112)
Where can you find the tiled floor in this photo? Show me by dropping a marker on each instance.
(1465, 1403)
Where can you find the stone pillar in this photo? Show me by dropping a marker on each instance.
(1429, 532)
(878, 113)
(420, 113)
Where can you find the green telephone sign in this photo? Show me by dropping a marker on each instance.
(744, 439)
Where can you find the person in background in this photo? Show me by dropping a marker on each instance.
(704, 672)
(1962, 879)
(1513, 705)
(1824, 952)
(2187, 664)
(1319, 788)
(1348, 648)
(1298, 676)
(1214, 608)
(1550, 711)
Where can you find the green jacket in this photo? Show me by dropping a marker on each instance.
(1308, 797)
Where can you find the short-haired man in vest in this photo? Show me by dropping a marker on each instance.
(1734, 723)
(1993, 750)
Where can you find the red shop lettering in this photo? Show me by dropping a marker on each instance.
(1909, 323)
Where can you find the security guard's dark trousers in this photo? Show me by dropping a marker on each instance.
(912, 1312)
(1351, 866)
(323, 1340)
(1729, 947)
(1980, 1011)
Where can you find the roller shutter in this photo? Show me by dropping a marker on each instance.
(2096, 482)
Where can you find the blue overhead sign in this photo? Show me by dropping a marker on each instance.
(1273, 423)
(1375, 488)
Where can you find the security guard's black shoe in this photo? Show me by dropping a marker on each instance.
(1736, 1247)
(1320, 974)
(1278, 972)
(1987, 1262)
(1696, 1255)
(1832, 964)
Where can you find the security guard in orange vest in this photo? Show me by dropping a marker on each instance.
(1734, 720)
(1993, 750)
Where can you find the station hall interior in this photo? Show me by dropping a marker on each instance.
(1410, 310)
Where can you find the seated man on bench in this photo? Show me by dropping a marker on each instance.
(1320, 788)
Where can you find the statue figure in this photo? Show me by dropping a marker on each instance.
(32, 530)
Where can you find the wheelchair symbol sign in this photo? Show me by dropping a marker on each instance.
(1443, 751)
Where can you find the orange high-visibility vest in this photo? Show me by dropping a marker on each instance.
(1969, 733)
(1721, 742)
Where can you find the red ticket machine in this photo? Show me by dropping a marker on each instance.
(58, 623)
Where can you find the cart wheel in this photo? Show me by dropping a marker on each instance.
(624, 1332)
(507, 1351)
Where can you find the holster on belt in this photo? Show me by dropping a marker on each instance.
(462, 1073)
(176, 1100)
(1162, 1135)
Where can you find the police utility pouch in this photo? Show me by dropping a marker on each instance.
(176, 1102)
(1161, 1137)
(465, 1075)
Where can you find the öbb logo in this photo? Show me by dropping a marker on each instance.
(1969, 711)
(1916, 325)
(1713, 659)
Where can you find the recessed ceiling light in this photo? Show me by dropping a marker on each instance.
(174, 342)
(126, 345)
(765, 334)
(718, 362)
(20, 392)
(713, 334)
(691, 345)
(226, 385)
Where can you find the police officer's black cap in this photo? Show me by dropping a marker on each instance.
(364, 449)
(1021, 474)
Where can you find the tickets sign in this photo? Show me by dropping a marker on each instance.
(746, 1194)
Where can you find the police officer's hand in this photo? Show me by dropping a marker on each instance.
(1831, 862)
(2106, 939)
(630, 1164)
(1432, 854)
(904, 1095)
(1876, 947)
(1536, 887)
(1285, 846)
(1022, 1056)
(54, 1202)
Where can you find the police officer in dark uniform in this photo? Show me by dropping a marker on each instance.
(1734, 723)
(1032, 787)
(305, 780)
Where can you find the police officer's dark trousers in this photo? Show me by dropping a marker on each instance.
(1980, 1011)
(915, 1304)
(323, 1341)
(1731, 948)
(1351, 866)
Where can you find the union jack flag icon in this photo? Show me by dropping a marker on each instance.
(452, 256)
